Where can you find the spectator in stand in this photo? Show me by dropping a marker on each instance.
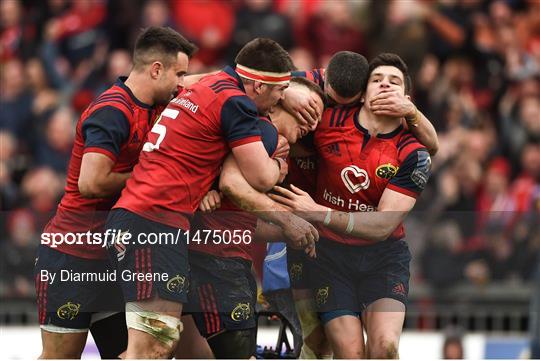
(442, 260)
(333, 28)
(54, 150)
(17, 255)
(8, 188)
(44, 96)
(77, 29)
(15, 99)
(156, 13)
(208, 24)
(41, 189)
(17, 36)
(256, 19)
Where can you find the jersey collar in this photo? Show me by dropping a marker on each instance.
(121, 83)
(230, 71)
(389, 135)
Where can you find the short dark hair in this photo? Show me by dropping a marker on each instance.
(160, 44)
(347, 73)
(391, 59)
(265, 55)
(310, 85)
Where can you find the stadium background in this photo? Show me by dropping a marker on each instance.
(474, 234)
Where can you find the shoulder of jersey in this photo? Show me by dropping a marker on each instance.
(117, 98)
(407, 143)
(222, 85)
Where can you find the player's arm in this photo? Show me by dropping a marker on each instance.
(234, 186)
(97, 180)
(258, 169)
(423, 130)
(189, 80)
(397, 200)
(304, 108)
(375, 226)
(268, 232)
(104, 132)
(239, 124)
(394, 104)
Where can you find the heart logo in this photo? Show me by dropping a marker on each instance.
(360, 180)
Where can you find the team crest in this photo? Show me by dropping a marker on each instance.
(68, 311)
(177, 284)
(386, 171)
(295, 272)
(355, 178)
(322, 295)
(241, 312)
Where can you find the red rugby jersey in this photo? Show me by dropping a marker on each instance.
(355, 168)
(186, 148)
(115, 125)
(231, 218)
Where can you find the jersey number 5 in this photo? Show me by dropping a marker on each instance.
(161, 131)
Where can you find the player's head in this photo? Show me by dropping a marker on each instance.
(163, 54)
(288, 124)
(265, 68)
(346, 77)
(387, 71)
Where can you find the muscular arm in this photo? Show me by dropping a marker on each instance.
(426, 134)
(233, 185)
(267, 232)
(255, 166)
(375, 226)
(97, 180)
(104, 132)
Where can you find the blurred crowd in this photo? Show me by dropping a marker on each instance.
(476, 69)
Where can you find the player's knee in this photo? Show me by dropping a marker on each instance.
(347, 346)
(61, 352)
(239, 344)
(383, 348)
(62, 345)
(164, 328)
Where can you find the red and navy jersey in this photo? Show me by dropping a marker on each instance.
(303, 169)
(315, 75)
(115, 125)
(186, 148)
(356, 168)
(229, 216)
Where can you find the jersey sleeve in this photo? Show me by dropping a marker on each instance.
(315, 75)
(239, 121)
(104, 131)
(413, 174)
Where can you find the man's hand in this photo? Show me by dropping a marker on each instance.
(283, 169)
(211, 201)
(300, 203)
(303, 108)
(301, 234)
(392, 103)
(283, 148)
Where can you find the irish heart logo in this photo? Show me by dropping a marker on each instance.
(355, 178)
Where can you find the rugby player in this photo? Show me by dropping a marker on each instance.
(343, 82)
(223, 290)
(109, 137)
(374, 171)
(180, 160)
